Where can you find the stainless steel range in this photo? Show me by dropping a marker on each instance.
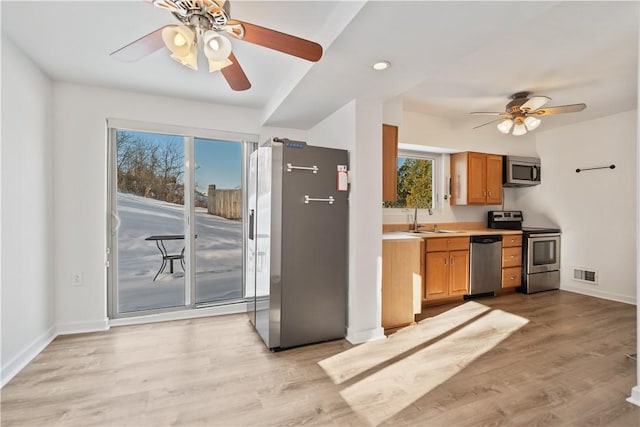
(540, 251)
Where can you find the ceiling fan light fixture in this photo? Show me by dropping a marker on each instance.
(519, 129)
(216, 46)
(190, 60)
(179, 39)
(505, 126)
(532, 122)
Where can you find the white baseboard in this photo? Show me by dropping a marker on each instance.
(18, 363)
(217, 310)
(82, 327)
(358, 337)
(635, 396)
(594, 292)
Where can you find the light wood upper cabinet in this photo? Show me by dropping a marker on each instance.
(476, 179)
(389, 163)
(494, 179)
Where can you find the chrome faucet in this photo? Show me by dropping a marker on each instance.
(415, 213)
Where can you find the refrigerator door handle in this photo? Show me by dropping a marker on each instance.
(313, 168)
(308, 199)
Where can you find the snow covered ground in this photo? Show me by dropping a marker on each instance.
(218, 255)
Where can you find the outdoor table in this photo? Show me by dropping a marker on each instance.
(160, 239)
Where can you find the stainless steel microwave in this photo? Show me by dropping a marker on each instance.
(520, 171)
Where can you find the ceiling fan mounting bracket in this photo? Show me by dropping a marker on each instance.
(202, 14)
(519, 98)
(523, 94)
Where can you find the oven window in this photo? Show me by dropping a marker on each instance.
(544, 252)
(522, 172)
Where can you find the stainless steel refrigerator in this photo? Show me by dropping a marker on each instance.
(297, 248)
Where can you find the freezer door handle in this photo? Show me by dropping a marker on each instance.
(313, 168)
(308, 199)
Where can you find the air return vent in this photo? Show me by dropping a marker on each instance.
(585, 275)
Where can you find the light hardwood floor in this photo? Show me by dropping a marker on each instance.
(566, 366)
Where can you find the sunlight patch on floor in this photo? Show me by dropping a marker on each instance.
(348, 364)
(385, 390)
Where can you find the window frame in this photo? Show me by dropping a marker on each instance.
(436, 170)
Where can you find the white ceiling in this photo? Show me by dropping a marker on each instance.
(448, 58)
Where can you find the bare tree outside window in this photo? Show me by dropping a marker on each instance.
(150, 169)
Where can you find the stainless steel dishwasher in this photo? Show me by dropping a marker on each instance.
(486, 265)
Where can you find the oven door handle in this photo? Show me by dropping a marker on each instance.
(534, 173)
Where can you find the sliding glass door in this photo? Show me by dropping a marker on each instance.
(150, 229)
(218, 220)
(177, 229)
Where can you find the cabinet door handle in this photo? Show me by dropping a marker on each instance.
(489, 193)
(451, 260)
(513, 256)
(445, 261)
(512, 278)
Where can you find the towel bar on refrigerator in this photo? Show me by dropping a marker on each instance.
(308, 199)
(313, 168)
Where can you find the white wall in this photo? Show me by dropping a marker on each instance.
(80, 174)
(357, 127)
(27, 214)
(594, 209)
(421, 129)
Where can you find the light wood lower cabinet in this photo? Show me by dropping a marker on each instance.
(401, 281)
(447, 268)
(511, 261)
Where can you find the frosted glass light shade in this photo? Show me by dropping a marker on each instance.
(519, 129)
(216, 47)
(190, 59)
(505, 126)
(532, 122)
(179, 39)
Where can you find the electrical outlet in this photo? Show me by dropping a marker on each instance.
(76, 279)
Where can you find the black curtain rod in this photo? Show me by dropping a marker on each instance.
(590, 169)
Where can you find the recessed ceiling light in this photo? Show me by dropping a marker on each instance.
(381, 65)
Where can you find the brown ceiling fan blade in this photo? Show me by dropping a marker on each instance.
(142, 47)
(235, 76)
(276, 40)
(488, 123)
(573, 108)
